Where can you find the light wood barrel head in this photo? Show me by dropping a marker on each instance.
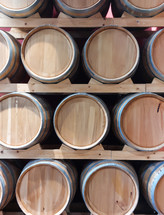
(142, 121)
(111, 54)
(16, 4)
(42, 190)
(146, 4)
(47, 53)
(110, 191)
(4, 52)
(158, 53)
(20, 120)
(81, 121)
(80, 4)
(158, 195)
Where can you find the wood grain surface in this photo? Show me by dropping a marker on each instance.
(48, 53)
(146, 4)
(42, 191)
(20, 121)
(110, 191)
(111, 55)
(142, 122)
(24, 120)
(109, 187)
(81, 121)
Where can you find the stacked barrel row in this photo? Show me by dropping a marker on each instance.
(81, 8)
(49, 54)
(107, 187)
(82, 121)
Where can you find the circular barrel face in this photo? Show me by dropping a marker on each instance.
(4, 53)
(157, 50)
(16, 4)
(20, 120)
(42, 189)
(80, 4)
(111, 191)
(111, 54)
(81, 121)
(146, 4)
(142, 121)
(47, 53)
(158, 195)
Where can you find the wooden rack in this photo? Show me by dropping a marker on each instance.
(19, 28)
(125, 87)
(82, 22)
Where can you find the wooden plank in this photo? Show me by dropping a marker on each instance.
(82, 22)
(81, 154)
(137, 155)
(55, 154)
(156, 86)
(74, 88)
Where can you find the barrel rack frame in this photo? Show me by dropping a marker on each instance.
(19, 28)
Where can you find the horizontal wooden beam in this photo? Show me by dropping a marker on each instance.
(81, 154)
(88, 88)
(82, 22)
(72, 88)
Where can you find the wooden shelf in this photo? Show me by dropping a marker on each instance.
(82, 22)
(88, 88)
(81, 154)
(73, 88)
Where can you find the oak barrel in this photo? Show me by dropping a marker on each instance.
(49, 54)
(138, 121)
(110, 187)
(111, 55)
(10, 61)
(138, 8)
(82, 8)
(22, 9)
(81, 121)
(46, 187)
(8, 177)
(153, 55)
(152, 181)
(25, 120)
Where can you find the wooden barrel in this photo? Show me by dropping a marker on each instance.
(25, 120)
(22, 9)
(111, 55)
(152, 55)
(152, 181)
(10, 63)
(138, 8)
(138, 121)
(8, 178)
(46, 187)
(49, 54)
(110, 187)
(82, 8)
(81, 121)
